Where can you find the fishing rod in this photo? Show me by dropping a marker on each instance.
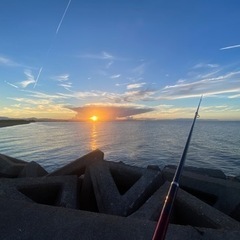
(163, 222)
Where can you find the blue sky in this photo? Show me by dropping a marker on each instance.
(140, 59)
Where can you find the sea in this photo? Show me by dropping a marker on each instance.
(214, 144)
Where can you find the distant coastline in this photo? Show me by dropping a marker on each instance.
(10, 122)
(7, 122)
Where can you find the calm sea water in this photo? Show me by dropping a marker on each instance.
(214, 144)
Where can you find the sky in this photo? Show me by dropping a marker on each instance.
(128, 59)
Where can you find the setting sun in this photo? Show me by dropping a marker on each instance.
(94, 118)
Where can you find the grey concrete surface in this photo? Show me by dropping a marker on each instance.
(48, 207)
(122, 200)
(10, 167)
(222, 194)
(188, 210)
(25, 221)
(191, 211)
(58, 191)
(78, 166)
(87, 200)
(151, 209)
(216, 173)
(33, 169)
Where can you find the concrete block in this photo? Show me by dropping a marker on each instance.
(179, 232)
(188, 210)
(57, 191)
(10, 167)
(87, 200)
(78, 166)
(23, 220)
(118, 197)
(33, 169)
(222, 194)
(216, 173)
(236, 178)
(236, 213)
(151, 209)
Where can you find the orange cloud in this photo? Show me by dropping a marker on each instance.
(106, 113)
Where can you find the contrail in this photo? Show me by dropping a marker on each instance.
(39, 73)
(229, 47)
(60, 23)
(59, 26)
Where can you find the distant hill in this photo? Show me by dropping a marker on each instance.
(12, 122)
(4, 118)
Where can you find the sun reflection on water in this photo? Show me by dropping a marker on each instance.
(94, 135)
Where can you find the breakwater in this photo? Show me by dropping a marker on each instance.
(91, 198)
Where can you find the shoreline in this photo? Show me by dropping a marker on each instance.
(9, 123)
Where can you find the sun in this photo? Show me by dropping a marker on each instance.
(94, 118)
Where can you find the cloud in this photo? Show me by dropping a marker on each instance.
(230, 47)
(235, 96)
(109, 112)
(108, 65)
(66, 85)
(181, 80)
(227, 83)
(64, 81)
(135, 85)
(125, 97)
(102, 56)
(8, 62)
(115, 76)
(121, 84)
(107, 55)
(112, 97)
(87, 96)
(31, 101)
(139, 70)
(27, 108)
(30, 79)
(36, 94)
(218, 108)
(136, 95)
(205, 65)
(61, 78)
